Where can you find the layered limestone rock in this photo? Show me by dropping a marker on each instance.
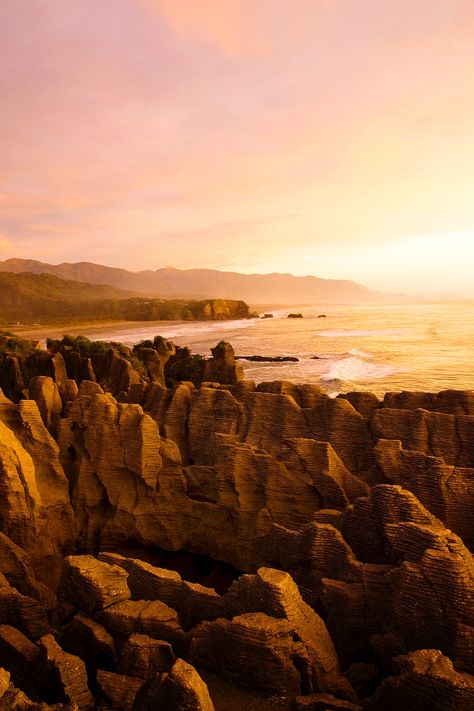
(416, 588)
(20, 498)
(35, 509)
(89, 640)
(154, 355)
(107, 363)
(119, 690)
(426, 681)
(446, 490)
(433, 603)
(18, 655)
(91, 585)
(366, 506)
(62, 676)
(364, 524)
(212, 412)
(179, 690)
(275, 643)
(263, 418)
(152, 619)
(142, 657)
(313, 553)
(193, 602)
(438, 434)
(111, 454)
(22, 612)
(222, 367)
(45, 393)
(450, 402)
(17, 569)
(13, 699)
(336, 486)
(170, 409)
(122, 472)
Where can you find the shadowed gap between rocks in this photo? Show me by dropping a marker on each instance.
(192, 567)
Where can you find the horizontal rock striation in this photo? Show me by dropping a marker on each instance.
(351, 519)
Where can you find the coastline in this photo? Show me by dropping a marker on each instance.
(414, 348)
(54, 331)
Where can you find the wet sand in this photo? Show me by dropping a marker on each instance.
(106, 327)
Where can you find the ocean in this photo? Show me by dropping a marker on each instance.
(421, 346)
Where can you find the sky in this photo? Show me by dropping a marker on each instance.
(325, 137)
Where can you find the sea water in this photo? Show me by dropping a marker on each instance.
(420, 346)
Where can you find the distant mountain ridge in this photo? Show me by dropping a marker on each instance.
(173, 283)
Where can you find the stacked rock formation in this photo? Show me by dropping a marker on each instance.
(347, 524)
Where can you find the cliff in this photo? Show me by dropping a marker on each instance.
(153, 529)
(29, 298)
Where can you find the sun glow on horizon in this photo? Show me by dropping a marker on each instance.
(422, 265)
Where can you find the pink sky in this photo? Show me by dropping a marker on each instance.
(333, 137)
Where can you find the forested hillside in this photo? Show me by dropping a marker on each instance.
(44, 298)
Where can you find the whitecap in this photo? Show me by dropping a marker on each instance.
(360, 353)
(191, 330)
(354, 368)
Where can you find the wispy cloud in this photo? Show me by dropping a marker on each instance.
(345, 124)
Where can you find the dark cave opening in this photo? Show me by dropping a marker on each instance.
(193, 567)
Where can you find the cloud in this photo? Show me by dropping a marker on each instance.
(189, 120)
(240, 28)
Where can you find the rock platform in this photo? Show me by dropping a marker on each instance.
(349, 524)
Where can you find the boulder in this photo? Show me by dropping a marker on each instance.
(426, 681)
(92, 585)
(180, 690)
(62, 677)
(222, 367)
(119, 690)
(19, 656)
(88, 639)
(22, 612)
(152, 619)
(142, 656)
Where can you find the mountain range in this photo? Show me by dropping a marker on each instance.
(171, 283)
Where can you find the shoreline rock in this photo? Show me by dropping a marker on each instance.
(348, 523)
(268, 359)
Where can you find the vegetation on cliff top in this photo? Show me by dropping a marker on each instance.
(43, 298)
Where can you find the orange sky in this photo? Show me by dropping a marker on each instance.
(332, 137)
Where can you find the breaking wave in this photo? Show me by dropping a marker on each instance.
(356, 368)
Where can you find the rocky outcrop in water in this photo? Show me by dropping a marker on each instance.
(347, 524)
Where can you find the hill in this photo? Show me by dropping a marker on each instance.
(208, 283)
(45, 298)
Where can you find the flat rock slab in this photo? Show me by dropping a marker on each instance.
(118, 689)
(92, 585)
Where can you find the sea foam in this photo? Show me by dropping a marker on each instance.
(354, 368)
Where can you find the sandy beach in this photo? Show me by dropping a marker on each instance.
(107, 327)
